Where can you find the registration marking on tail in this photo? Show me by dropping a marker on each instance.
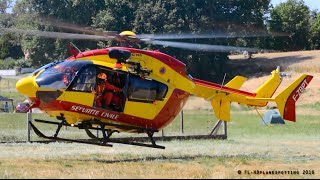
(300, 90)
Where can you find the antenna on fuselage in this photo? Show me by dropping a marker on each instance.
(74, 49)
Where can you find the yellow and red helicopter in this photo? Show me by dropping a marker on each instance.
(150, 88)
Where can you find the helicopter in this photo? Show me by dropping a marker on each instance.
(149, 88)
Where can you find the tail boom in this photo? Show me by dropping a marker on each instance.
(221, 96)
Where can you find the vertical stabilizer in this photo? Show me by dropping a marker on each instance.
(287, 99)
(267, 89)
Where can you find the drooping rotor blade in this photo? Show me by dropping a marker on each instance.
(203, 47)
(211, 35)
(58, 35)
(77, 28)
(200, 36)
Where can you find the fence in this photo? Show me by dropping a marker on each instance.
(26, 70)
(14, 72)
(8, 72)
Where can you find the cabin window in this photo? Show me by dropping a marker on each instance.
(145, 90)
(86, 79)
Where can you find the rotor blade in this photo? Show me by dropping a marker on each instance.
(203, 47)
(208, 35)
(57, 35)
(247, 31)
(193, 36)
(77, 28)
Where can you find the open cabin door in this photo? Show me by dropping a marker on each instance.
(106, 86)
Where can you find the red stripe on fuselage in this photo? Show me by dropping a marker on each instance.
(165, 116)
(218, 87)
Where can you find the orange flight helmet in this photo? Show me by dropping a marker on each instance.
(102, 76)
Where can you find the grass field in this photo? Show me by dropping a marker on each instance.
(250, 147)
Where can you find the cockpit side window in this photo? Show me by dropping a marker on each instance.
(145, 90)
(85, 80)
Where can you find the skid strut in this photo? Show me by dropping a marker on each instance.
(40, 134)
(107, 133)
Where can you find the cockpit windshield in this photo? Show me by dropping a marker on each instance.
(59, 75)
(46, 66)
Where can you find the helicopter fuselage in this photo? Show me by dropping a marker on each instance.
(147, 101)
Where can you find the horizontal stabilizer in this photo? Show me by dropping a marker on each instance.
(236, 82)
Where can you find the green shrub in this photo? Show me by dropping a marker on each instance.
(8, 63)
(22, 63)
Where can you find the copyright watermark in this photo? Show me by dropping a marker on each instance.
(276, 172)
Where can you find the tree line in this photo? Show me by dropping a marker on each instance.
(289, 26)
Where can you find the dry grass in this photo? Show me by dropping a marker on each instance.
(186, 159)
(142, 170)
(299, 61)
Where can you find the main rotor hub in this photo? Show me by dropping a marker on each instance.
(128, 34)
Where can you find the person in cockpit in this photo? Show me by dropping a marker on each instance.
(104, 91)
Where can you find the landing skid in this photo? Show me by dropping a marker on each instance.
(40, 134)
(105, 141)
(107, 133)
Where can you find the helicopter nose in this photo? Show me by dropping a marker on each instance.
(27, 86)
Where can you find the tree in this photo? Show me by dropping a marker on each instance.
(73, 11)
(34, 48)
(33, 15)
(4, 5)
(4, 46)
(291, 17)
(315, 33)
(9, 46)
(187, 16)
(141, 16)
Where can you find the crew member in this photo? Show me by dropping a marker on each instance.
(6, 107)
(104, 91)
